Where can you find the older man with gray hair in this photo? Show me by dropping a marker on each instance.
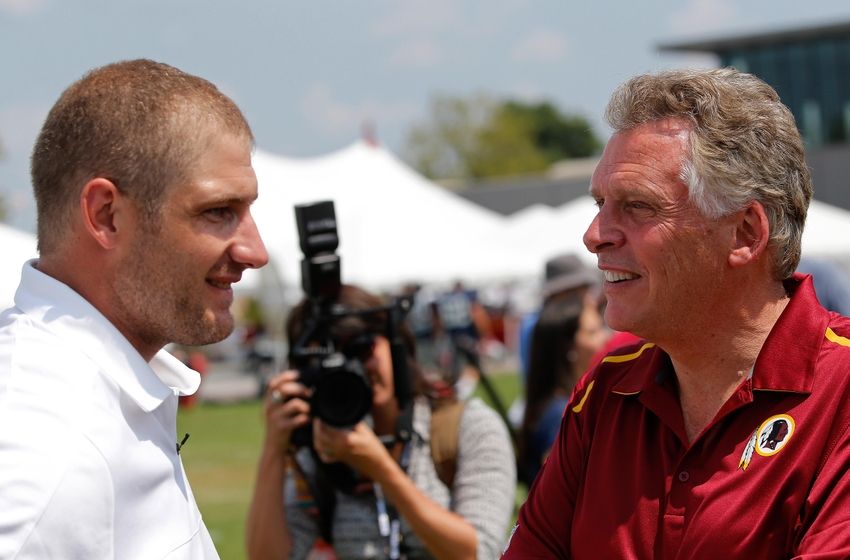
(725, 433)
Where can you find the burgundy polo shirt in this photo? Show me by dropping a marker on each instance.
(768, 478)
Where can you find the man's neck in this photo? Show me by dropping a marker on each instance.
(711, 365)
(91, 280)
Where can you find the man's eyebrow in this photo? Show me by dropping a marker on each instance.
(224, 200)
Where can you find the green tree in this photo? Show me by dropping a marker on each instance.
(443, 146)
(479, 137)
(557, 135)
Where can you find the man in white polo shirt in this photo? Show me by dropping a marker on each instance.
(143, 179)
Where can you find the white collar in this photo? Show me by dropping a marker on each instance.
(70, 317)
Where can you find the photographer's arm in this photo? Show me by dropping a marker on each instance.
(267, 532)
(444, 533)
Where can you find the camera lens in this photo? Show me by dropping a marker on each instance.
(342, 395)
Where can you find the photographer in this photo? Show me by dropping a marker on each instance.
(395, 494)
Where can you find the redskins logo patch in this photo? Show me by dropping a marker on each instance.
(768, 439)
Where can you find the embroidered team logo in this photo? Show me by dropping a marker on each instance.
(768, 439)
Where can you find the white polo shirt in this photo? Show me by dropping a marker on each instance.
(88, 461)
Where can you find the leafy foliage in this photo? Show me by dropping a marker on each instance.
(477, 137)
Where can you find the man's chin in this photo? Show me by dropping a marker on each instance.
(213, 328)
(622, 322)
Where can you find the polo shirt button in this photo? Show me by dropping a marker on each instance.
(684, 476)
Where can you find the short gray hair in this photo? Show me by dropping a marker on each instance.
(744, 146)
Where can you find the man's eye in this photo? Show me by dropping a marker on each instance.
(599, 202)
(219, 214)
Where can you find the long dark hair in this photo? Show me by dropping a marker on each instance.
(550, 367)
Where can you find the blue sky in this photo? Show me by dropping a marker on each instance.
(309, 74)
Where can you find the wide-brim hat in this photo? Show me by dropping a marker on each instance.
(567, 272)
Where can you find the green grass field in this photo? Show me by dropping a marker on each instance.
(221, 454)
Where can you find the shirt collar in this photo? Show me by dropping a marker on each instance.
(785, 362)
(66, 314)
(654, 369)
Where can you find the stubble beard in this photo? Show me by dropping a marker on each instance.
(163, 304)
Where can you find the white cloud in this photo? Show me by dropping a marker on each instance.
(702, 15)
(420, 53)
(342, 119)
(417, 17)
(542, 45)
(21, 7)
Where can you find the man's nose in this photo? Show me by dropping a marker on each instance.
(602, 232)
(249, 248)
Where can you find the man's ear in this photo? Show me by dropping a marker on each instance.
(752, 232)
(100, 202)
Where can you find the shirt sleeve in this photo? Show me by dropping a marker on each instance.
(484, 485)
(825, 527)
(544, 524)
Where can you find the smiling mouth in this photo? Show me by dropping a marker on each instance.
(219, 285)
(615, 277)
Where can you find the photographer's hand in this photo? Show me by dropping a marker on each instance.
(286, 409)
(358, 447)
(445, 533)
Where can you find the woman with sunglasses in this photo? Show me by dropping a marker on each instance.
(397, 507)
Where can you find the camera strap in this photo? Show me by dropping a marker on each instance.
(389, 523)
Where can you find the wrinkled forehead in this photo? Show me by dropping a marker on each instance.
(651, 151)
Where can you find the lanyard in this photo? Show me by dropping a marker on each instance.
(389, 524)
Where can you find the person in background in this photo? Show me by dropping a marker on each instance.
(725, 434)
(397, 495)
(143, 181)
(463, 317)
(466, 323)
(565, 277)
(569, 285)
(568, 333)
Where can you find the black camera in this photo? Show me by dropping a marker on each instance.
(342, 394)
(332, 367)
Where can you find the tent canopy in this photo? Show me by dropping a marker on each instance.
(394, 225)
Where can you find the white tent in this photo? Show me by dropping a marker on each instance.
(394, 225)
(18, 247)
(541, 232)
(827, 231)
